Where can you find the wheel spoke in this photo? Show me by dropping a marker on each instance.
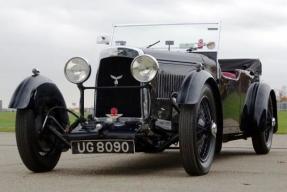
(269, 124)
(200, 144)
(47, 141)
(204, 133)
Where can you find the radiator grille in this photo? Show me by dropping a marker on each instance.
(127, 101)
(167, 83)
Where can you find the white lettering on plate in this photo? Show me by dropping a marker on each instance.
(81, 149)
(90, 147)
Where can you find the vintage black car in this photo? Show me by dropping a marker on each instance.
(148, 100)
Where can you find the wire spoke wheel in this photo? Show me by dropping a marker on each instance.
(39, 149)
(203, 129)
(47, 142)
(262, 141)
(269, 124)
(197, 134)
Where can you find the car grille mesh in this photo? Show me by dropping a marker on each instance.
(127, 101)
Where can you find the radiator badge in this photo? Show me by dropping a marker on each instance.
(114, 115)
(116, 78)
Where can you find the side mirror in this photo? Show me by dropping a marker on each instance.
(103, 39)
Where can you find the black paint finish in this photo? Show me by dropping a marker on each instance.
(25, 90)
(241, 101)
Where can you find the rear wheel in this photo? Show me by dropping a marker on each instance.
(262, 141)
(197, 134)
(39, 149)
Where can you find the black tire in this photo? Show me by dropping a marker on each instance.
(262, 141)
(218, 146)
(38, 153)
(196, 137)
(219, 140)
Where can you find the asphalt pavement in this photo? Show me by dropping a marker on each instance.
(237, 168)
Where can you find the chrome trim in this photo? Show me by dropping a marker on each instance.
(115, 51)
(213, 129)
(146, 97)
(237, 77)
(89, 72)
(141, 99)
(122, 119)
(248, 73)
(116, 78)
(104, 54)
(160, 24)
(240, 71)
(151, 57)
(273, 122)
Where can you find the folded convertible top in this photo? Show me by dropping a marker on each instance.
(253, 65)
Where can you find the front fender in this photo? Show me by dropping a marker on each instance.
(37, 93)
(191, 87)
(24, 93)
(190, 93)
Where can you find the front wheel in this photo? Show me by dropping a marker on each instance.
(262, 141)
(197, 134)
(38, 151)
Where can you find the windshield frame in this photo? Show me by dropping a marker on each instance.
(217, 27)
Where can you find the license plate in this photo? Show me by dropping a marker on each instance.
(103, 146)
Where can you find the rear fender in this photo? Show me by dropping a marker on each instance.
(255, 108)
(247, 116)
(261, 106)
(274, 103)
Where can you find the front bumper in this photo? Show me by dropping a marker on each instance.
(145, 138)
(100, 130)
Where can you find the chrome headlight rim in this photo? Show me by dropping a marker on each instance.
(87, 75)
(154, 60)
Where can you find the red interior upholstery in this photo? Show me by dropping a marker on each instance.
(231, 75)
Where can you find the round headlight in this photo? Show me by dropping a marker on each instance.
(77, 70)
(144, 68)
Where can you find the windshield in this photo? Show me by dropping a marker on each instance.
(192, 37)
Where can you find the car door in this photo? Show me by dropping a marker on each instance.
(231, 101)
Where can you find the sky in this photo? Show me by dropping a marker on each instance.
(44, 34)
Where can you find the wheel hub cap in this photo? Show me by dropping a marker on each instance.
(213, 129)
(273, 122)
